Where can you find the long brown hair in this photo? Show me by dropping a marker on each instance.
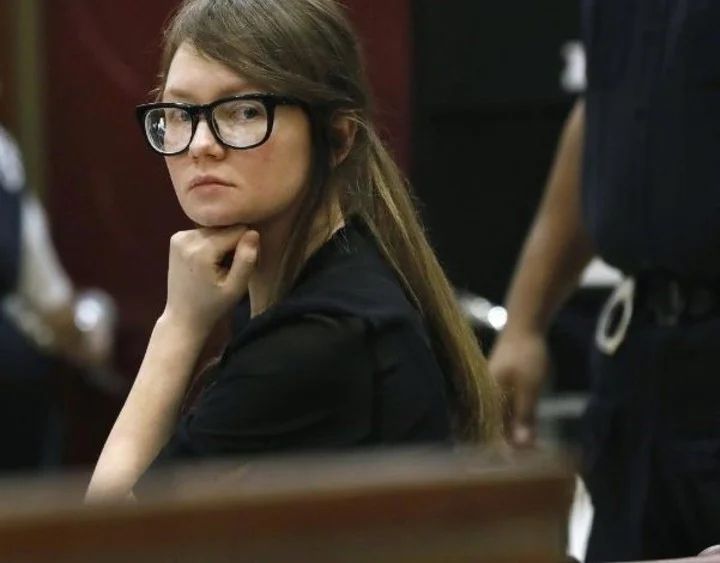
(307, 49)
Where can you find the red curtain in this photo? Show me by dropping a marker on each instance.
(385, 31)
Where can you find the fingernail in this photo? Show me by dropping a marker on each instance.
(252, 238)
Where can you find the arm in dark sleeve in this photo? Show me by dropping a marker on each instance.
(304, 385)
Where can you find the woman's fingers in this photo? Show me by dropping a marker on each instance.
(209, 272)
(243, 264)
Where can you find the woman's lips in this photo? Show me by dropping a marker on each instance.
(208, 182)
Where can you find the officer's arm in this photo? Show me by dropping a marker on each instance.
(555, 253)
(558, 248)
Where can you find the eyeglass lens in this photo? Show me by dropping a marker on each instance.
(238, 123)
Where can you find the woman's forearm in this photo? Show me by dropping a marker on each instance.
(150, 411)
(200, 292)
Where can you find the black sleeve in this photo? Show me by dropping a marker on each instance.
(307, 384)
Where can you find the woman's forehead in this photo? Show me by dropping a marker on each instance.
(193, 76)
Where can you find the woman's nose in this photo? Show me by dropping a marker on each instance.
(204, 141)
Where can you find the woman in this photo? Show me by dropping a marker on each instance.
(350, 332)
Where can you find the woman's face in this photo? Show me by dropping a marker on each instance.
(252, 186)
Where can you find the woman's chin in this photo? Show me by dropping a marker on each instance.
(215, 221)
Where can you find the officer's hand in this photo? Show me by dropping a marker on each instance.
(208, 274)
(519, 362)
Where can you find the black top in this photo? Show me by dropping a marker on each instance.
(344, 360)
(651, 179)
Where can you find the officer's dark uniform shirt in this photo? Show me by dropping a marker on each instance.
(344, 360)
(651, 178)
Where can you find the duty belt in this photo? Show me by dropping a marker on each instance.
(665, 300)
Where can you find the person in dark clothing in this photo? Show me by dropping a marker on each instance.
(343, 360)
(38, 334)
(25, 400)
(644, 146)
(352, 334)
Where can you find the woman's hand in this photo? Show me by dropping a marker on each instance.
(208, 273)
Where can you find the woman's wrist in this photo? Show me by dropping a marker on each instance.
(176, 341)
(178, 327)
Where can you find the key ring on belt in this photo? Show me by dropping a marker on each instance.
(609, 333)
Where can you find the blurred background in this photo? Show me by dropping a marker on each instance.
(470, 98)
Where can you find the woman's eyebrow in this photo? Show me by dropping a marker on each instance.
(178, 93)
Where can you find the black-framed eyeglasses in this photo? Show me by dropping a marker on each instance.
(237, 122)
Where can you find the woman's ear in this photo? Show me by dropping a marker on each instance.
(343, 128)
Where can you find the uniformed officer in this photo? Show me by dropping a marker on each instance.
(26, 398)
(37, 324)
(636, 181)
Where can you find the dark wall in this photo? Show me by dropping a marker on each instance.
(487, 112)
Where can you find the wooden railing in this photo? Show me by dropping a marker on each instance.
(703, 559)
(411, 506)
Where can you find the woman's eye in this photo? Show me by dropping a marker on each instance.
(246, 113)
(240, 112)
(177, 116)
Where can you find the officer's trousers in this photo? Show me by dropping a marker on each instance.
(651, 456)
